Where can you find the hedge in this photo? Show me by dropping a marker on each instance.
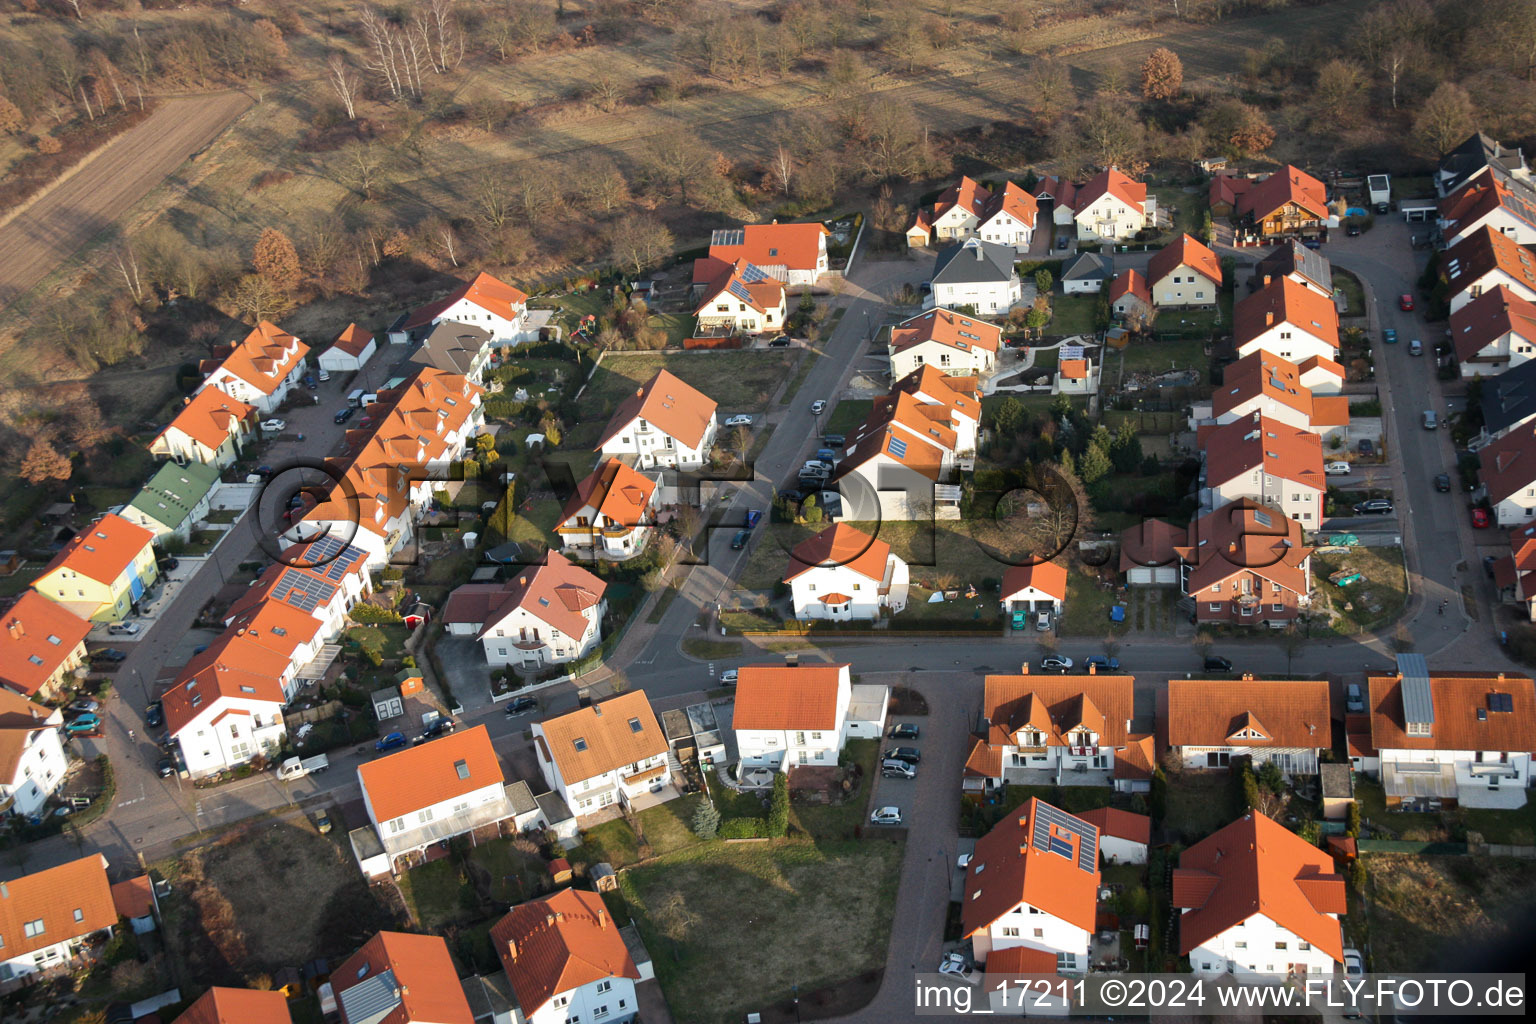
(743, 828)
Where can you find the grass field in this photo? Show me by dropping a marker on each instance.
(1436, 913)
(1371, 603)
(1071, 314)
(846, 415)
(666, 829)
(734, 926)
(1087, 609)
(494, 875)
(739, 381)
(1158, 356)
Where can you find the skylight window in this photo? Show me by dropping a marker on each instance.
(1061, 846)
(462, 767)
(635, 726)
(581, 743)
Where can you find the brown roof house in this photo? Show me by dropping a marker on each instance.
(612, 754)
(544, 615)
(1246, 564)
(1211, 721)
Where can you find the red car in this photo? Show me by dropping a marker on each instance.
(1480, 520)
(1405, 303)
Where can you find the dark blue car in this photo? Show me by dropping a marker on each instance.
(394, 741)
(754, 515)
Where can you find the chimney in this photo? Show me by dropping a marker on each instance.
(1093, 669)
(512, 948)
(16, 631)
(5, 893)
(1247, 677)
(1269, 318)
(549, 919)
(1024, 669)
(405, 990)
(602, 919)
(980, 255)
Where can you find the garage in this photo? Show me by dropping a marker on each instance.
(1148, 575)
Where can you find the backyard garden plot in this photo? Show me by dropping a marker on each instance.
(1438, 913)
(1367, 604)
(739, 381)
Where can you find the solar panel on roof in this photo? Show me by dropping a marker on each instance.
(752, 273)
(1501, 702)
(1262, 518)
(301, 590)
(1047, 818)
(739, 290)
(898, 448)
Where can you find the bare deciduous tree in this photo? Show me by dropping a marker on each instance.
(1446, 117)
(343, 82)
(362, 168)
(127, 263)
(782, 168)
(638, 242)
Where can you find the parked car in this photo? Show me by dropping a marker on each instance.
(1055, 663)
(1043, 622)
(826, 455)
(1354, 963)
(791, 494)
(1020, 620)
(1415, 347)
(1489, 561)
(886, 816)
(344, 414)
(1216, 663)
(782, 341)
(1354, 700)
(740, 540)
(165, 768)
(1062, 242)
(818, 407)
(325, 375)
(124, 629)
(1443, 482)
(890, 768)
(1389, 335)
(1480, 519)
(1337, 469)
(963, 861)
(954, 963)
(274, 426)
(729, 677)
(84, 723)
(1102, 662)
(1367, 446)
(833, 441)
(522, 706)
(1405, 303)
(310, 381)
(904, 731)
(1430, 420)
(83, 706)
(752, 518)
(911, 755)
(742, 420)
(109, 654)
(394, 741)
(1373, 507)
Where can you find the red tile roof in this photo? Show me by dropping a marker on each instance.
(1056, 705)
(1477, 199)
(1015, 202)
(353, 341)
(1047, 577)
(1020, 960)
(424, 973)
(1113, 182)
(1212, 712)
(1184, 252)
(209, 418)
(134, 897)
(558, 943)
(1139, 758)
(1006, 870)
(740, 278)
(1114, 823)
(557, 592)
(1288, 185)
(780, 697)
(792, 246)
(237, 1006)
(36, 637)
(1457, 701)
(1259, 442)
(1073, 369)
(232, 666)
(412, 779)
(1152, 542)
(1285, 301)
(263, 359)
(614, 490)
(20, 720)
(53, 896)
(1245, 536)
(840, 545)
(1488, 318)
(102, 550)
(485, 291)
(1482, 252)
(1509, 464)
(1130, 282)
(1262, 374)
(609, 740)
(1227, 189)
(670, 404)
(1255, 866)
(947, 328)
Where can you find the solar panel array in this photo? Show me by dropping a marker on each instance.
(1071, 352)
(752, 273)
(1501, 702)
(1047, 817)
(301, 590)
(739, 290)
(1262, 518)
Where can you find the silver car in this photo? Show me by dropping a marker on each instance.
(886, 816)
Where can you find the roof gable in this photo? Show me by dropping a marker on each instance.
(432, 773)
(560, 942)
(669, 403)
(1184, 251)
(840, 546)
(592, 741)
(780, 697)
(1038, 855)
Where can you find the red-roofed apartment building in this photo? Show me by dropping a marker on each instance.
(971, 210)
(665, 423)
(844, 573)
(1033, 881)
(610, 515)
(428, 794)
(1455, 737)
(566, 960)
(793, 254)
(1184, 273)
(1211, 721)
(226, 706)
(485, 302)
(400, 978)
(41, 644)
(1490, 201)
(350, 351)
(237, 1006)
(1268, 461)
(1494, 332)
(49, 917)
(948, 341)
(210, 428)
(103, 570)
(545, 615)
(1289, 320)
(1508, 477)
(1275, 387)
(1246, 564)
(32, 761)
(1049, 729)
(260, 369)
(791, 715)
(1255, 898)
(610, 753)
(1288, 204)
(1484, 260)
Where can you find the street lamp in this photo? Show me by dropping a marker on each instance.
(794, 990)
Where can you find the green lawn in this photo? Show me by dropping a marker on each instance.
(1142, 356)
(846, 415)
(1354, 295)
(666, 829)
(1199, 803)
(1370, 604)
(1071, 314)
(823, 822)
(739, 381)
(21, 579)
(1187, 210)
(733, 926)
(1087, 610)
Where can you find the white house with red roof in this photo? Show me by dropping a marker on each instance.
(794, 254)
(610, 514)
(324, 578)
(260, 370)
(1071, 730)
(610, 753)
(1494, 332)
(1033, 881)
(1276, 388)
(1033, 589)
(844, 573)
(1489, 201)
(546, 614)
(41, 644)
(485, 302)
(1257, 899)
(350, 351)
(429, 793)
(52, 916)
(971, 210)
(741, 299)
(211, 428)
(1268, 461)
(567, 960)
(666, 423)
(400, 978)
(1286, 319)
(223, 713)
(788, 715)
(1482, 261)
(1508, 477)
(32, 760)
(1183, 274)
(237, 1006)
(1110, 207)
(948, 341)
(1129, 297)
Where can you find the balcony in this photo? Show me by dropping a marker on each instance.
(1485, 769)
(1092, 751)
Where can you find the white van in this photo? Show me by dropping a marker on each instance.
(355, 399)
(369, 397)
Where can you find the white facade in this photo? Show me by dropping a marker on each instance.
(339, 360)
(1499, 219)
(239, 387)
(654, 448)
(985, 297)
(727, 310)
(523, 638)
(1032, 927)
(1082, 762)
(1483, 778)
(1259, 946)
(415, 828)
(1291, 760)
(1006, 229)
(587, 796)
(1109, 219)
(229, 732)
(1487, 283)
(974, 362)
(1121, 851)
(1032, 599)
(178, 446)
(40, 769)
(1518, 508)
(604, 1000)
(781, 749)
(1499, 355)
(1288, 341)
(864, 596)
(1297, 500)
(503, 331)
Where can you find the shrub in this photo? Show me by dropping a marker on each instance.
(1352, 819)
(706, 821)
(372, 613)
(1357, 875)
(742, 828)
(778, 814)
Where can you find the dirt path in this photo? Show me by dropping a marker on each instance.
(73, 211)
